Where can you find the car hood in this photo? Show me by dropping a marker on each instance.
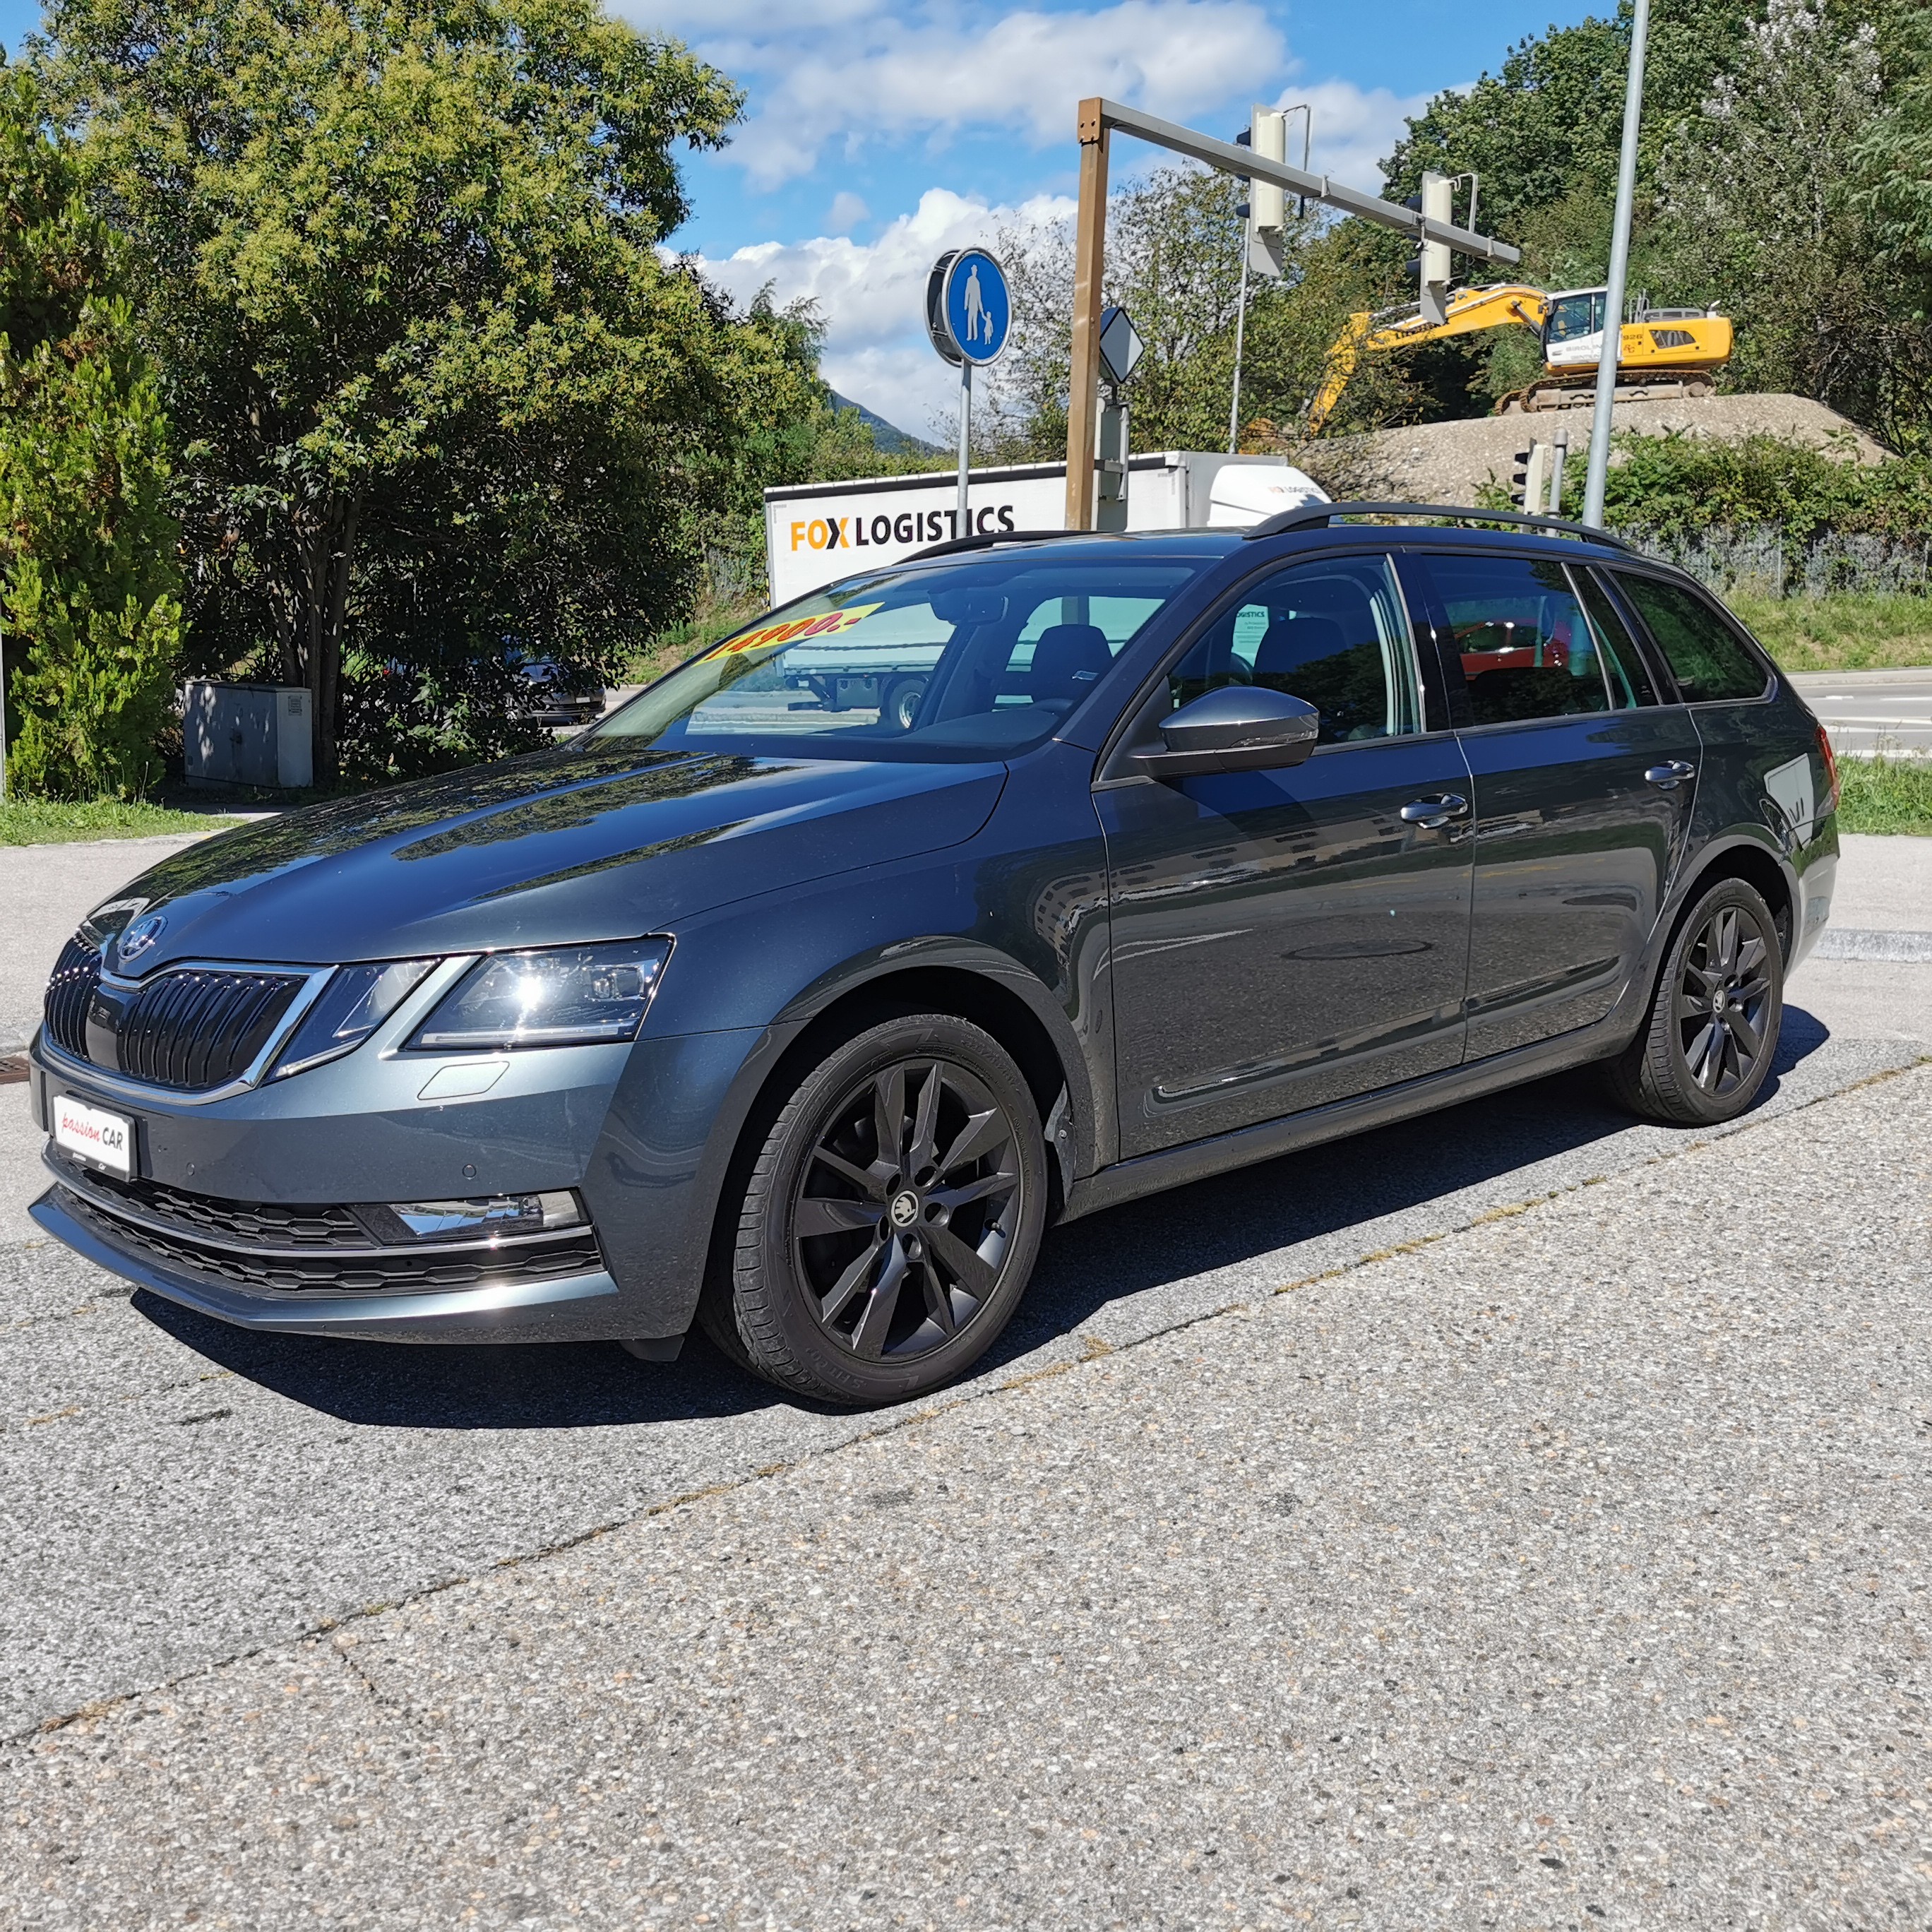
(570, 844)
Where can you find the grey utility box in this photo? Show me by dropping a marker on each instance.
(251, 734)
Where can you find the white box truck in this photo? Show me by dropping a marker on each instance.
(815, 532)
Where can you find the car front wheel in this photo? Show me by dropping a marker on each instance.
(1706, 1049)
(892, 1218)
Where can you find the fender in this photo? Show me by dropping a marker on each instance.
(877, 966)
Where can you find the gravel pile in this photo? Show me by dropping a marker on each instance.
(1448, 462)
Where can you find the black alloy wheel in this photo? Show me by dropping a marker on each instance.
(1706, 1050)
(893, 1218)
(1721, 997)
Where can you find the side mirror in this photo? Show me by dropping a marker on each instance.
(1241, 727)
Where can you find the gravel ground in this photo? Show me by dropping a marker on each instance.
(1448, 462)
(1567, 1570)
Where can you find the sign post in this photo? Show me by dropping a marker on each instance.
(1096, 121)
(1120, 347)
(969, 316)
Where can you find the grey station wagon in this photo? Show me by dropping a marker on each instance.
(805, 1014)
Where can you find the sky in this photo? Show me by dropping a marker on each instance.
(877, 134)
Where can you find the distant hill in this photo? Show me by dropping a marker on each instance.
(893, 441)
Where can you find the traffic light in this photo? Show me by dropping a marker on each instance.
(1432, 269)
(1529, 480)
(1267, 135)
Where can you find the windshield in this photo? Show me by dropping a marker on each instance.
(979, 656)
(1575, 316)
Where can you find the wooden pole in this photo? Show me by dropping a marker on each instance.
(1090, 256)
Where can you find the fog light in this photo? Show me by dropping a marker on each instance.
(489, 1217)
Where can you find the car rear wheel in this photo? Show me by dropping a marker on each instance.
(1706, 1050)
(892, 1218)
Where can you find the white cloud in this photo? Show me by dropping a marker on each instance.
(873, 296)
(830, 80)
(849, 74)
(847, 211)
(1354, 128)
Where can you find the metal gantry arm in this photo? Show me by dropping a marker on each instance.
(1098, 119)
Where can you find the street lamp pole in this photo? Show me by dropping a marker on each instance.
(1611, 354)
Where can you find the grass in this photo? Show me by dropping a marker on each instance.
(1886, 795)
(41, 821)
(1849, 631)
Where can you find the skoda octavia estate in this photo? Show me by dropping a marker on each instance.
(805, 1022)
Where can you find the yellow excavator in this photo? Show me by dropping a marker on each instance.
(1664, 352)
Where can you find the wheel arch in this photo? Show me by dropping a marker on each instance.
(977, 984)
(1760, 868)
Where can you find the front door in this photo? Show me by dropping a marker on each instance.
(1281, 939)
(1583, 785)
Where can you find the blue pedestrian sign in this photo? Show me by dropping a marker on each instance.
(969, 308)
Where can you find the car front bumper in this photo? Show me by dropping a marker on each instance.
(582, 1307)
(632, 1130)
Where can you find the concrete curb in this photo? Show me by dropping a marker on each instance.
(1904, 948)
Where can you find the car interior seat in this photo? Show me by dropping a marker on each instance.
(1067, 661)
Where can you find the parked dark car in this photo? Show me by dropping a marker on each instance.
(550, 696)
(807, 1024)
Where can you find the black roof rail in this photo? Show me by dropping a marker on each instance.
(953, 545)
(1315, 516)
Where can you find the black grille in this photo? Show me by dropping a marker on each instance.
(193, 1029)
(70, 988)
(256, 1223)
(322, 1271)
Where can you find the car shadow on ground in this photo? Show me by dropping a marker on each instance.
(1146, 1245)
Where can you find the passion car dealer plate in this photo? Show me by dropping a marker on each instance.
(97, 1136)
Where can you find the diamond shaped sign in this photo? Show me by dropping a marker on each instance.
(1121, 344)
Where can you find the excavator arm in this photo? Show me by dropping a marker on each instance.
(1506, 304)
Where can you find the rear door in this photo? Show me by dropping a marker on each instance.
(1284, 938)
(1583, 782)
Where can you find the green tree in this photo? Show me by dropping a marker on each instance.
(438, 397)
(89, 581)
(1757, 205)
(1893, 164)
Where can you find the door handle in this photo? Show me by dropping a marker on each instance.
(1433, 813)
(1669, 776)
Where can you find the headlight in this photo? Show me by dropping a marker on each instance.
(355, 1002)
(574, 996)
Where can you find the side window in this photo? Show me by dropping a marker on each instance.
(1334, 633)
(1630, 679)
(1527, 649)
(1707, 660)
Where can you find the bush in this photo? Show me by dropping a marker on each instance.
(1679, 488)
(89, 579)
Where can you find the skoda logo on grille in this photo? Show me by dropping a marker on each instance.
(141, 935)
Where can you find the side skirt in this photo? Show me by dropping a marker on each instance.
(1198, 1160)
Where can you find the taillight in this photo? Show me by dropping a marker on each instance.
(1831, 767)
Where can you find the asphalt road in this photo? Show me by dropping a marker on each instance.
(1551, 1554)
(1867, 711)
(1562, 1565)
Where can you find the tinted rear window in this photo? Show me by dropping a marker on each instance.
(1708, 658)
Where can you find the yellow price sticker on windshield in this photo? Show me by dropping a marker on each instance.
(769, 636)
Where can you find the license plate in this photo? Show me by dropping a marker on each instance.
(101, 1138)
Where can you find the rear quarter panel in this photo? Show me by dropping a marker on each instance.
(1762, 781)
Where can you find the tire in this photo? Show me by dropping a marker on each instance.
(1705, 1049)
(900, 704)
(892, 1218)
